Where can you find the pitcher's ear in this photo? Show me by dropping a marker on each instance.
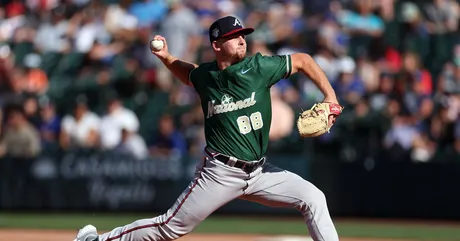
(215, 46)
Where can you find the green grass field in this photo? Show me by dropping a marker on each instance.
(263, 225)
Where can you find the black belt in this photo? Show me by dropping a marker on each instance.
(246, 166)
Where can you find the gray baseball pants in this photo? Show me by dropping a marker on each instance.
(216, 184)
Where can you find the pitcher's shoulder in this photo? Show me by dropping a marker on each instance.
(201, 69)
(258, 59)
(201, 75)
(255, 57)
(206, 66)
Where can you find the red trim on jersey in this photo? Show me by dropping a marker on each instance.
(157, 224)
(189, 83)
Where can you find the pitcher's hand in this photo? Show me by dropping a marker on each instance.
(163, 53)
(332, 117)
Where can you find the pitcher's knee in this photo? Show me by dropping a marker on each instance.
(319, 197)
(178, 228)
(177, 231)
(313, 199)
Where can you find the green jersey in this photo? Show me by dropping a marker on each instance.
(236, 103)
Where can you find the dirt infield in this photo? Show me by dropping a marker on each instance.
(50, 235)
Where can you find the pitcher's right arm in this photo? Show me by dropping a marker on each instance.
(179, 68)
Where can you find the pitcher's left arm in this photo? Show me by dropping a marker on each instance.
(304, 63)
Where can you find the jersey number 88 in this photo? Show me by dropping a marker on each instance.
(247, 124)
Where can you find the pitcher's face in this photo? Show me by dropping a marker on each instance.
(233, 47)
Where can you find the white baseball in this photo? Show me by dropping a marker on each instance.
(156, 45)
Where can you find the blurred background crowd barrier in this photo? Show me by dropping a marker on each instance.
(91, 120)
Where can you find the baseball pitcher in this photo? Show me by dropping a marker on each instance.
(235, 98)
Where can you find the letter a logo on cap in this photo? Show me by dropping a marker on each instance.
(215, 32)
(237, 22)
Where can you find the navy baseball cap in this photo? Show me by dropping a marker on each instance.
(227, 26)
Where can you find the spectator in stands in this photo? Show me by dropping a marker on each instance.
(182, 95)
(400, 138)
(192, 127)
(20, 138)
(36, 81)
(87, 31)
(442, 16)
(398, 61)
(119, 22)
(361, 21)
(31, 111)
(449, 79)
(80, 129)
(95, 39)
(424, 149)
(415, 33)
(16, 91)
(288, 92)
(283, 116)
(369, 73)
(326, 59)
(349, 86)
(168, 140)
(381, 97)
(148, 12)
(14, 17)
(333, 42)
(420, 79)
(52, 36)
(181, 26)
(132, 144)
(118, 118)
(197, 144)
(182, 29)
(446, 115)
(50, 124)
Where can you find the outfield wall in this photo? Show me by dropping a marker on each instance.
(95, 181)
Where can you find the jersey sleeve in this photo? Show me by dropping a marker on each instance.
(199, 77)
(195, 79)
(274, 68)
(190, 76)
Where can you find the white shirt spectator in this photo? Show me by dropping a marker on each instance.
(50, 38)
(329, 66)
(402, 134)
(85, 37)
(113, 123)
(9, 26)
(79, 131)
(117, 18)
(135, 145)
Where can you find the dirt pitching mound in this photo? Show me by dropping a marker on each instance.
(59, 235)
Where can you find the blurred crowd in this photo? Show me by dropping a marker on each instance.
(79, 74)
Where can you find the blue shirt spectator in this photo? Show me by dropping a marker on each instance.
(354, 20)
(168, 140)
(349, 86)
(50, 125)
(149, 12)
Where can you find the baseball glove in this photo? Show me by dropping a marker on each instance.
(315, 121)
